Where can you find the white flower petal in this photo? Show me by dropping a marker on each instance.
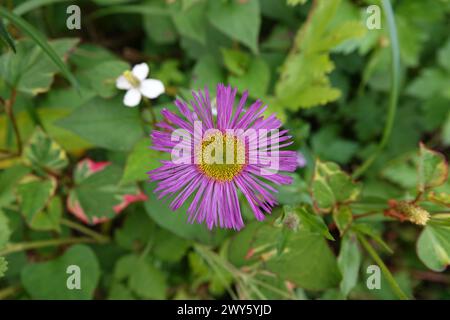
(122, 83)
(152, 88)
(132, 98)
(140, 71)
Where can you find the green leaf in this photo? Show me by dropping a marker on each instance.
(4, 34)
(349, 262)
(433, 169)
(118, 291)
(136, 231)
(106, 123)
(237, 19)
(207, 72)
(9, 178)
(343, 218)
(147, 281)
(308, 262)
(97, 193)
(31, 5)
(143, 279)
(34, 195)
(177, 221)
(102, 78)
(256, 79)
(3, 266)
(236, 61)
(49, 219)
(43, 153)
(310, 221)
(5, 232)
(442, 198)
(331, 186)
(306, 259)
(141, 160)
(430, 83)
(48, 280)
(433, 247)
(444, 55)
(191, 22)
(34, 34)
(30, 70)
(303, 81)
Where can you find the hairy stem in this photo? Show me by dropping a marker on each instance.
(393, 98)
(10, 114)
(98, 237)
(389, 277)
(24, 246)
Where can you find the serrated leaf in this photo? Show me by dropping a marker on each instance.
(9, 179)
(306, 259)
(343, 218)
(303, 81)
(43, 153)
(238, 20)
(30, 70)
(48, 280)
(331, 186)
(34, 195)
(432, 169)
(442, 198)
(40, 40)
(311, 222)
(50, 218)
(97, 194)
(433, 247)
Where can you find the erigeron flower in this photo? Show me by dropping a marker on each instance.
(214, 187)
(137, 85)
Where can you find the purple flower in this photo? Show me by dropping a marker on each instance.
(214, 159)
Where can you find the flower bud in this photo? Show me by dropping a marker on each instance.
(414, 213)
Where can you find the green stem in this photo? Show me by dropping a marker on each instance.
(389, 277)
(23, 246)
(89, 232)
(393, 98)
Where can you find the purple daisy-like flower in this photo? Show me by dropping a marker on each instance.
(215, 158)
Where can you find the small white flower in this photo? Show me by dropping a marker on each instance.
(137, 85)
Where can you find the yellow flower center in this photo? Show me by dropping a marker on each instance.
(135, 82)
(221, 156)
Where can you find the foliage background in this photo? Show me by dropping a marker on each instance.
(316, 65)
